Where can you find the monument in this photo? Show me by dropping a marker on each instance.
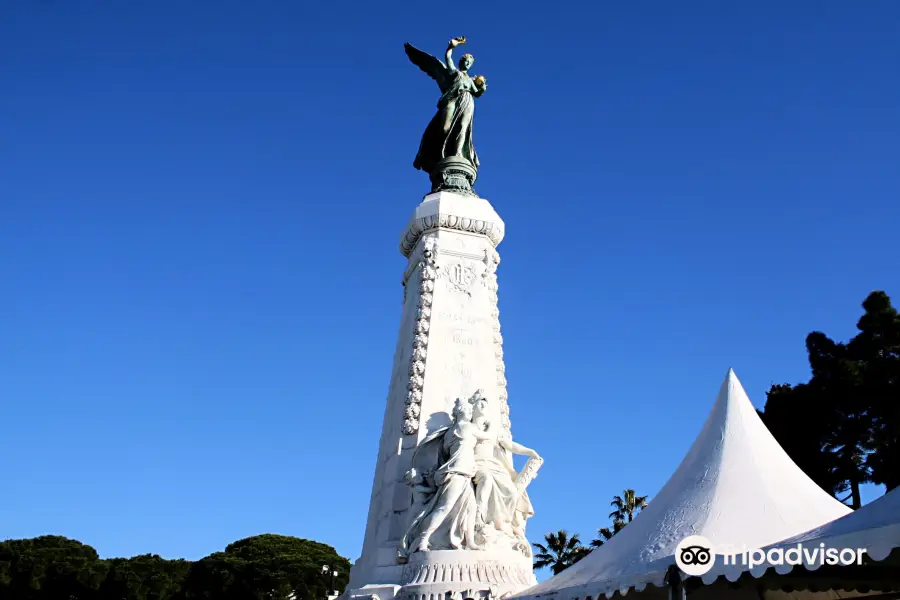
(448, 510)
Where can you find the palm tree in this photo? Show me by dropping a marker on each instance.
(560, 552)
(626, 506)
(605, 533)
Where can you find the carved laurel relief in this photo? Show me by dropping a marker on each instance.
(428, 273)
(489, 279)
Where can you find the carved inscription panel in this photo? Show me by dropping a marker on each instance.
(461, 319)
(465, 352)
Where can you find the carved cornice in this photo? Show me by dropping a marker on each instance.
(445, 210)
(494, 231)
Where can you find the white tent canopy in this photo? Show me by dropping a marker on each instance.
(735, 486)
(875, 528)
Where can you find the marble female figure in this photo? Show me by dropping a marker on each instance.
(500, 501)
(447, 521)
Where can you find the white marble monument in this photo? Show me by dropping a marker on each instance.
(448, 511)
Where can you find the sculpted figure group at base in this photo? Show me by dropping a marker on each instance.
(467, 493)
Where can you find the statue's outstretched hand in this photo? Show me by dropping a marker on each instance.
(457, 41)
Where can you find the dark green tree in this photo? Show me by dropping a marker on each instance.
(604, 534)
(49, 567)
(145, 577)
(836, 382)
(560, 552)
(876, 349)
(626, 506)
(267, 567)
(843, 426)
(787, 407)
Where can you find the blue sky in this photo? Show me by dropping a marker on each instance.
(200, 205)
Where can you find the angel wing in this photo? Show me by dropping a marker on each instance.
(428, 63)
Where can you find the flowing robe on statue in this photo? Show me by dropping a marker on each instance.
(499, 499)
(450, 131)
(454, 499)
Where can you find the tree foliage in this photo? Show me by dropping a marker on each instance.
(265, 566)
(842, 427)
(604, 534)
(145, 577)
(49, 567)
(560, 552)
(625, 508)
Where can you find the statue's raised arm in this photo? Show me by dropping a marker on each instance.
(447, 152)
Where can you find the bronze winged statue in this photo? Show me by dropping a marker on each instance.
(447, 152)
